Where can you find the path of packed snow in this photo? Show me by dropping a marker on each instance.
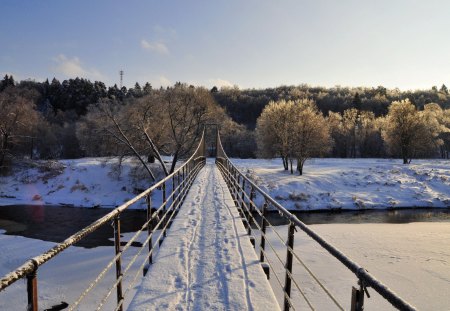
(207, 261)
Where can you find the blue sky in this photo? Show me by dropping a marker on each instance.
(248, 43)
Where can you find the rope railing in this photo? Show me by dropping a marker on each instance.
(177, 184)
(244, 192)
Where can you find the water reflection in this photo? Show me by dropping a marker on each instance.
(37, 214)
(55, 224)
(400, 216)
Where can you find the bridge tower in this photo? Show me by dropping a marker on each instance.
(211, 131)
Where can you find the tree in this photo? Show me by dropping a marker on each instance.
(437, 125)
(6, 82)
(274, 131)
(18, 117)
(311, 133)
(187, 109)
(165, 122)
(147, 88)
(357, 103)
(292, 130)
(408, 132)
(338, 134)
(369, 140)
(350, 122)
(108, 120)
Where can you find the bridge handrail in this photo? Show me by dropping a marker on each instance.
(31, 265)
(366, 279)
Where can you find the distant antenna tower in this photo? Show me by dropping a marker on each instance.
(121, 78)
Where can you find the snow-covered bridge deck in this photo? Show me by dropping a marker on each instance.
(206, 261)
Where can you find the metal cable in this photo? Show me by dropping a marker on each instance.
(291, 276)
(317, 280)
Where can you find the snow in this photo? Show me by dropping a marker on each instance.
(412, 259)
(87, 182)
(353, 183)
(326, 183)
(207, 262)
(63, 278)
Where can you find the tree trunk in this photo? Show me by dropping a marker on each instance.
(156, 153)
(300, 166)
(3, 151)
(174, 162)
(285, 163)
(130, 145)
(290, 161)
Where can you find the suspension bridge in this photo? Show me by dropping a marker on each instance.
(208, 245)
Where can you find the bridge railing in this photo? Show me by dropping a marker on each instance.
(173, 190)
(244, 192)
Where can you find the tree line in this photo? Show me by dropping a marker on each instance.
(297, 130)
(76, 118)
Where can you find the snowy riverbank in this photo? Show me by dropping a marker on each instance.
(87, 182)
(326, 183)
(353, 183)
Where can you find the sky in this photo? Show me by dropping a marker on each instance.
(245, 43)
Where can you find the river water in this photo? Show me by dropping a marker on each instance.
(56, 223)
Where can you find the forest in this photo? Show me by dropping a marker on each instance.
(78, 118)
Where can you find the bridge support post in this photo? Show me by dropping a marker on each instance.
(164, 211)
(179, 190)
(32, 291)
(288, 266)
(245, 209)
(118, 262)
(262, 245)
(149, 228)
(357, 303)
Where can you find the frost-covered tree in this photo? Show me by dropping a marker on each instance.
(438, 124)
(311, 133)
(293, 130)
(410, 133)
(445, 136)
(350, 120)
(274, 131)
(369, 140)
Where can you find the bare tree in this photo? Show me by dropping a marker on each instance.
(108, 122)
(164, 122)
(18, 118)
(186, 109)
(146, 118)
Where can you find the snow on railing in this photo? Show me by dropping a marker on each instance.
(244, 191)
(179, 183)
